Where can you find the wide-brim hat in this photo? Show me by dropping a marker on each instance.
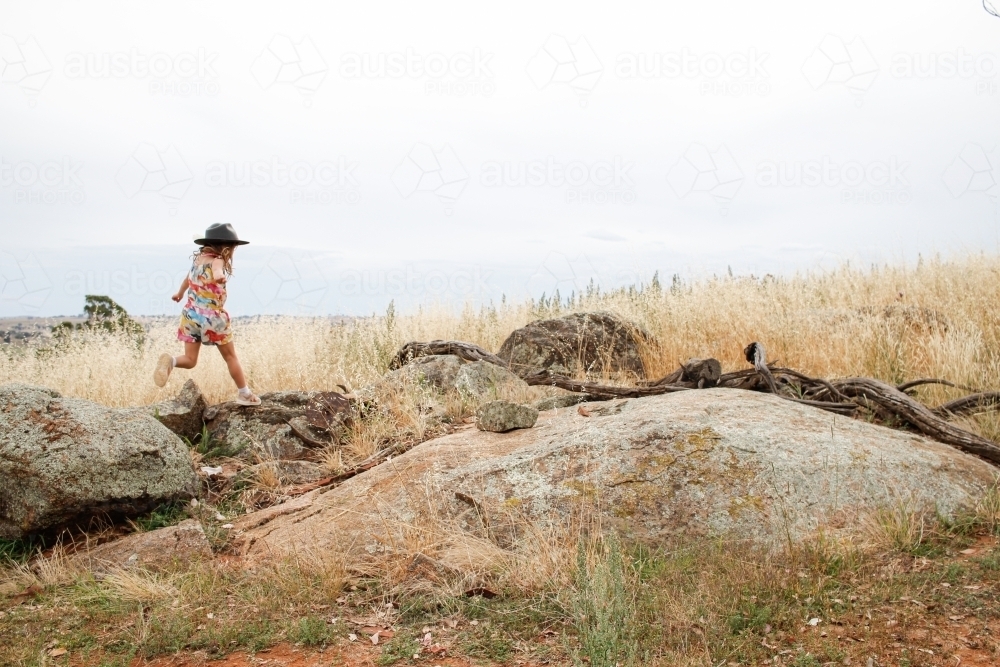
(221, 234)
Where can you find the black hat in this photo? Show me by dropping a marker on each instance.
(221, 234)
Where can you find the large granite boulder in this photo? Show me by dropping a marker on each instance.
(714, 462)
(593, 343)
(66, 460)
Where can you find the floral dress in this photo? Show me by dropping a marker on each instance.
(204, 320)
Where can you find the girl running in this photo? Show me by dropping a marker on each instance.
(204, 320)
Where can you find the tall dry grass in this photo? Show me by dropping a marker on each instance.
(938, 318)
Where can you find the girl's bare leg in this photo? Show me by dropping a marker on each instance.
(233, 362)
(166, 364)
(190, 358)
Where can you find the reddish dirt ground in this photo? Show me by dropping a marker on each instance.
(357, 654)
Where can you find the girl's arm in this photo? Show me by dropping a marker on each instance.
(180, 292)
(218, 270)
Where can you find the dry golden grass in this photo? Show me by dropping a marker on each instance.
(703, 601)
(937, 318)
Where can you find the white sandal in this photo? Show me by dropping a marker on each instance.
(164, 365)
(250, 400)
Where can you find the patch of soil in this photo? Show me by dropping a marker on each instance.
(354, 654)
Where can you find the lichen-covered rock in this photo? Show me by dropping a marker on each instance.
(284, 426)
(503, 416)
(596, 343)
(161, 549)
(483, 380)
(711, 462)
(65, 460)
(436, 370)
(183, 414)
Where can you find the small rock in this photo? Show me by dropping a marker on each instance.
(501, 416)
(182, 414)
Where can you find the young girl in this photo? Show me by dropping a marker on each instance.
(204, 320)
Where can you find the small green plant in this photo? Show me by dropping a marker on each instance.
(749, 617)
(487, 642)
(603, 608)
(209, 449)
(805, 660)
(21, 550)
(167, 514)
(401, 647)
(991, 561)
(310, 631)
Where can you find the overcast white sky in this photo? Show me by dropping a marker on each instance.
(459, 151)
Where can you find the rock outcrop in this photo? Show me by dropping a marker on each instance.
(65, 460)
(712, 462)
(284, 426)
(477, 380)
(596, 343)
(161, 549)
(438, 371)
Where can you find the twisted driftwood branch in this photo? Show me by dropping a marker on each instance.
(918, 415)
(988, 400)
(844, 396)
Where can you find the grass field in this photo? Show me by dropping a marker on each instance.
(906, 589)
(937, 318)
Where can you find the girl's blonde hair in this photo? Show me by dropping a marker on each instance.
(223, 252)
